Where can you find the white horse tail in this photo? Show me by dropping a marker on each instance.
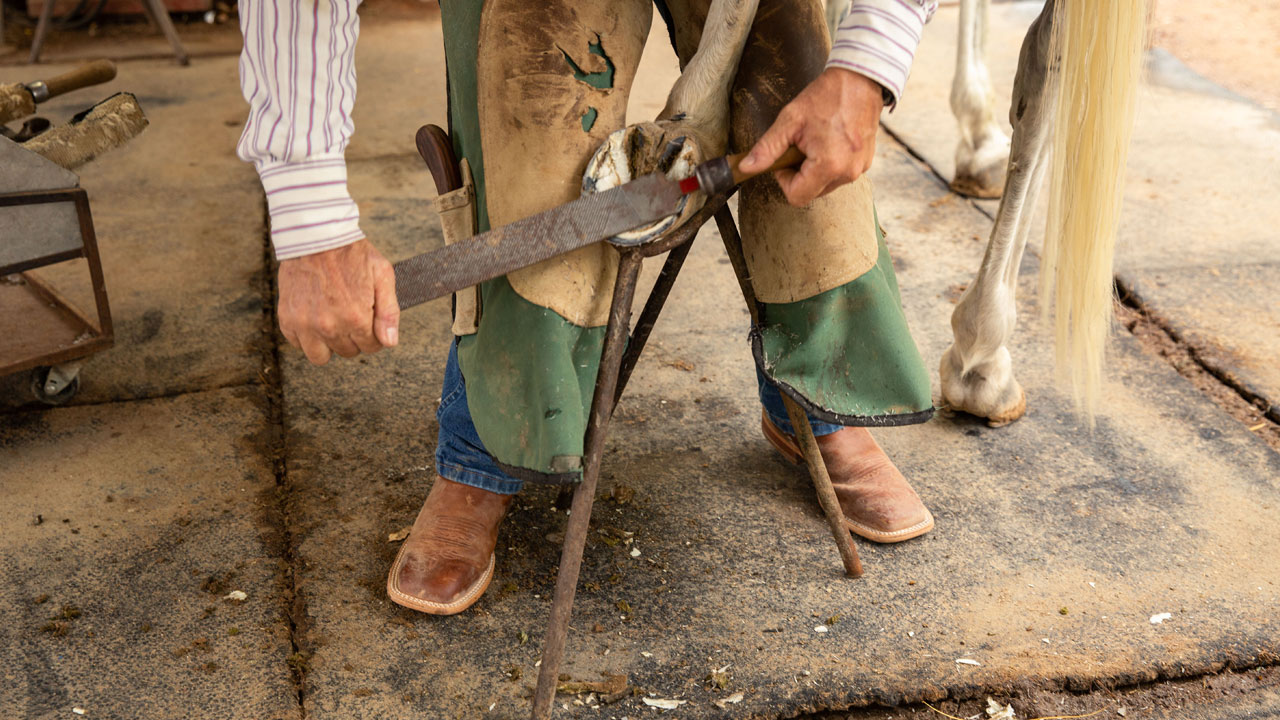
(1099, 45)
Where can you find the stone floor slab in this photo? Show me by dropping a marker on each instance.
(125, 527)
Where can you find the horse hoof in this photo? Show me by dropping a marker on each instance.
(978, 187)
(987, 391)
(980, 173)
(638, 150)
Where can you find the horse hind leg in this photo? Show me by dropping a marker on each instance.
(976, 370)
(983, 152)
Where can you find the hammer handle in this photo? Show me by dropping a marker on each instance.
(93, 73)
(436, 150)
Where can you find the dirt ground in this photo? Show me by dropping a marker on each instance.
(1235, 43)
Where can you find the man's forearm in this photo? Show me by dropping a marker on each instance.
(297, 71)
(878, 39)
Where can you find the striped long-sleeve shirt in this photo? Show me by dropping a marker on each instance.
(297, 71)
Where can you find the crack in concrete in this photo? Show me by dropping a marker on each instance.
(293, 604)
(1268, 410)
(1158, 694)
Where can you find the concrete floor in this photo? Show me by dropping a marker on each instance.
(203, 457)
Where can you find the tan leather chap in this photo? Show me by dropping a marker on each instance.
(457, 210)
(541, 118)
(793, 253)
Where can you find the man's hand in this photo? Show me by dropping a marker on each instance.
(341, 301)
(833, 122)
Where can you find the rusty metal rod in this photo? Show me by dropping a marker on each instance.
(799, 418)
(733, 248)
(575, 537)
(822, 485)
(42, 31)
(649, 316)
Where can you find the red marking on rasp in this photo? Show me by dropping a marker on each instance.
(689, 184)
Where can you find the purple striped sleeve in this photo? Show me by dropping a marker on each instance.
(311, 210)
(297, 72)
(878, 39)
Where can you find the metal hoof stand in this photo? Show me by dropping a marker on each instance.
(618, 359)
(156, 12)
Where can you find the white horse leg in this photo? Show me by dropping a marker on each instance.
(976, 371)
(983, 151)
(700, 97)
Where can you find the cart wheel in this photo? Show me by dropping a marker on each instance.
(40, 376)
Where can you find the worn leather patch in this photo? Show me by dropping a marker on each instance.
(553, 81)
(793, 253)
(796, 253)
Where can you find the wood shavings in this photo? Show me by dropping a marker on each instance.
(726, 702)
(1047, 717)
(996, 711)
(663, 703)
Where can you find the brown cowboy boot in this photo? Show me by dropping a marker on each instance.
(877, 501)
(446, 563)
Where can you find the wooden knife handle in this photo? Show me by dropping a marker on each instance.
(791, 158)
(722, 174)
(93, 73)
(436, 150)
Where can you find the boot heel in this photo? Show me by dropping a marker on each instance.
(782, 442)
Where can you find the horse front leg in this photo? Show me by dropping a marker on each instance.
(983, 152)
(976, 370)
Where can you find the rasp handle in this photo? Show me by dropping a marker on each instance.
(722, 174)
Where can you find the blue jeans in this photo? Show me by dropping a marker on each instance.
(461, 457)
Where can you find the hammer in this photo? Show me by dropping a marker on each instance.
(20, 99)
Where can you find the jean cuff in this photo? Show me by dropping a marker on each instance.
(477, 479)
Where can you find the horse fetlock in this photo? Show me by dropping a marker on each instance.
(982, 165)
(986, 389)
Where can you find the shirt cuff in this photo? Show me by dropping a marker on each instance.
(311, 210)
(878, 39)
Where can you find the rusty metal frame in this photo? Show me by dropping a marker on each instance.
(618, 359)
(102, 329)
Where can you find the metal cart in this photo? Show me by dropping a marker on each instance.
(41, 331)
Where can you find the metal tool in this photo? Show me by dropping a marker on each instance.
(589, 219)
(18, 100)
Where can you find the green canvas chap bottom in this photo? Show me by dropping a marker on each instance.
(846, 354)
